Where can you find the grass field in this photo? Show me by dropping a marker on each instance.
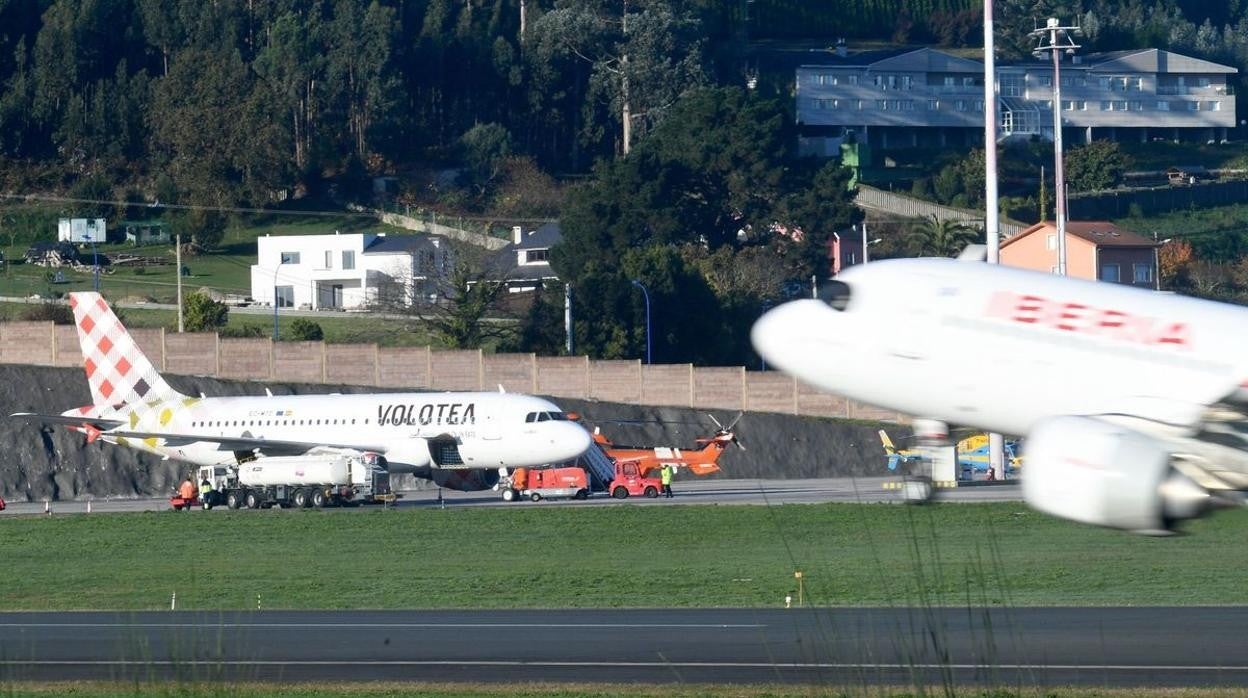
(557, 557)
(348, 328)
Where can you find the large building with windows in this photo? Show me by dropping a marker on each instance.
(928, 98)
(356, 270)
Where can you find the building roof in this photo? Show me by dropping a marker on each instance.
(392, 244)
(1149, 60)
(1152, 60)
(505, 264)
(1099, 233)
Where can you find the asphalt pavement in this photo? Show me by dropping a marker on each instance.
(969, 647)
(758, 492)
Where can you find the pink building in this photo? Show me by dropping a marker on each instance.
(1096, 250)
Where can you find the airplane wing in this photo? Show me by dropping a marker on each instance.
(242, 443)
(108, 428)
(97, 422)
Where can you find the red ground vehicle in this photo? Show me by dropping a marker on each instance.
(178, 503)
(629, 480)
(547, 482)
(2, 504)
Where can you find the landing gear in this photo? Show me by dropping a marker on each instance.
(509, 495)
(917, 490)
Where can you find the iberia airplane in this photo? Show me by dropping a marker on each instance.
(1134, 403)
(459, 440)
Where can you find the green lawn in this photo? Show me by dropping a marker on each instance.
(560, 557)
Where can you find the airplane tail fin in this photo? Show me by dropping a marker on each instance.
(117, 370)
(889, 448)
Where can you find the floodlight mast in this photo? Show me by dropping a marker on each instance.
(1055, 39)
(992, 223)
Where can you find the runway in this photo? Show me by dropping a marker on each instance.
(1026, 647)
(759, 492)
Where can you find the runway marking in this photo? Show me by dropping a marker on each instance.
(453, 626)
(619, 665)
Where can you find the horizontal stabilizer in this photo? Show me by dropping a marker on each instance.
(98, 423)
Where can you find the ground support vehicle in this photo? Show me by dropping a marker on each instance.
(629, 481)
(317, 480)
(536, 483)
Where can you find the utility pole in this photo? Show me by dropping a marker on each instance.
(992, 215)
(567, 315)
(178, 256)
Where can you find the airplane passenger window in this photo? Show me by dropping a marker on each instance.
(836, 294)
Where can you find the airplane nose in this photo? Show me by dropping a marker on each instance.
(574, 437)
(783, 336)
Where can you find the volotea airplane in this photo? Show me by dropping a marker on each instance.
(702, 459)
(1134, 404)
(458, 440)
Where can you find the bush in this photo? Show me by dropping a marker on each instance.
(304, 330)
(203, 314)
(45, 312)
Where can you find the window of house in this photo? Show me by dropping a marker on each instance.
(881, 104)
(1143, 273)
(1081, 105)
(1202, 82)
(892, 82)
(1104, 83)
(968, 81)
(285, 296)
(329, 259)
(905, 82)
(860, 104)
(1068, 105)
(949, 81)
(1136, 105)
(532, 256)
(1011, 85)
(960, 105)
(1046, 80)
(348, 259)
(1120, 105)
(1193, 106)
(1107, 106)
(1109, 272)
(1213, 106)
(1050, 241)
(1163, 105)
(853, 79)
(933, 104)
(290, 258)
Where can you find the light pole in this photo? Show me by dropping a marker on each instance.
(1055, 39)
(646, 295)
(276, 301)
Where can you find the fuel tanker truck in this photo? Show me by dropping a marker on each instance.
(310, 480)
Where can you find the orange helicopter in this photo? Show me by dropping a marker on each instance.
(703, 459)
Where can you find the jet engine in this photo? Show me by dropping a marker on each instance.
(461, 479)
(1096, 472)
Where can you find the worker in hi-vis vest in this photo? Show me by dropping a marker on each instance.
(665, 476)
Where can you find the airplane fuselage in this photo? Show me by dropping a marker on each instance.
(1000, 348)
(489, 430)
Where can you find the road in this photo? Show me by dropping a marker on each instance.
(761, 492)
(1040, 647)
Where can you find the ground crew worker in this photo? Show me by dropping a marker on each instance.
(187, 490)
(665, 476)
(205, 493)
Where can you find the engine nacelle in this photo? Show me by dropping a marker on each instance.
(1095, 472)
(461, 479)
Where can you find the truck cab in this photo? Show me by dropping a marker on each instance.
(630, 482)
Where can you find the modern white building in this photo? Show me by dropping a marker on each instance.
(350, 271)
(80, 230)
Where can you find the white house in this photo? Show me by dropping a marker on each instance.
(525, 263)
(79, 230)
(348, 271)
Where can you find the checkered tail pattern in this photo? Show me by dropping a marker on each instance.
(117, 370)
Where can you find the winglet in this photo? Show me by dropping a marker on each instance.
(974, 253)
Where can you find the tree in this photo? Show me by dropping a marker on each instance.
(1173, 260)
(541, 329)
(1095, 166)
(934, 237)
(200, 313)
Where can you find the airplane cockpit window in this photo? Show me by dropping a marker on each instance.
(546, 417)
(836, 294)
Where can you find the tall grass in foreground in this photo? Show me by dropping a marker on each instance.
(622, 556)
